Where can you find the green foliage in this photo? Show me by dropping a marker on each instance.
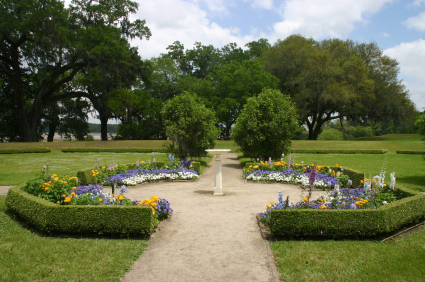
(265, 126)
(349, 223)
(83, 220)
(89, 138)
(188, 122)
(115, 150)
(338, 151)
(331, 134)
(410, 152)
(420, 123)
(25, 150)
(335, 79)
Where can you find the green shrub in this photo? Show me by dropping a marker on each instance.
(83, 220)
(338, 151)
(89, 138)
(188, 122)
(115, 150)
(411, 152)
(25, 150)
(265, 126)
(331, 134)
(356, 223)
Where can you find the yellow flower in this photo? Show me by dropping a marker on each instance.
(154, 204)
(305, 199)
(323, 207)
(63, 195)
(72, 194)
(166, 166)
(121, 197)
(74, 188)
(343, 203)
(67, 200)
(58, 202)
(100, 200)
(46, 189)
(322, 200)
(361, 181)
(247, 170)
(154, 198)
(153, 211)
(250, 166)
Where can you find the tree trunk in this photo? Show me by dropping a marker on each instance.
(52, 129)
(103, 126)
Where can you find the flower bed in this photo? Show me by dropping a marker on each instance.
(326, 177)
(137, 176)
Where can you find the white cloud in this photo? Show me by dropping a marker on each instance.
(417, 22)
(418, 2)
(262, 4)
(411, 56)
(185, 21)
(324, 18)
(386, 34)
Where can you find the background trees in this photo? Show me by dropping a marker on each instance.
(335, 79)
(190, 124)
(265, 127)
(43, 46)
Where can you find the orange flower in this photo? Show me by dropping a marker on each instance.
(46, 189)
(100, 200)
(67, 200)
(121, 197)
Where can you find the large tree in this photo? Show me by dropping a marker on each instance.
(44, 45)
(331, 80)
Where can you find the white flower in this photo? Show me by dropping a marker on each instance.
(384, 202)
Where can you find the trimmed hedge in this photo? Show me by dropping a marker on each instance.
(26, 150)
(86, 176)
(338, 151)
(115, 150)
(308, 223)
(354, 175)
(411, 152)
(83, 220)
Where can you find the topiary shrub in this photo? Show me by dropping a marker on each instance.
(84, 220)
(266, 124)
(188, 122)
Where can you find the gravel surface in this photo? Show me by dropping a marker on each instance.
(210, 238)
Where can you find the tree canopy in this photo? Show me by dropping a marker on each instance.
(335, 79)
(44, 45)
(266, 125)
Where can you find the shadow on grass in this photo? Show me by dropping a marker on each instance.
(416, 182)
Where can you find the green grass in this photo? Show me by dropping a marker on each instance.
(15, 169)
(351, 260)
(28, 257)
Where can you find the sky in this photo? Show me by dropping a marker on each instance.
(397, 26)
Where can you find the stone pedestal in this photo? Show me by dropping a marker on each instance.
(218, 183)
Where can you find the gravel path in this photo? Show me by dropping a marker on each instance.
(210, 238)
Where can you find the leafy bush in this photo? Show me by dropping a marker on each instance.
(76, 219)
(331, 134)
(266, 124)
(358, 222)
(188, 122)
(89, 138)
(26, 150)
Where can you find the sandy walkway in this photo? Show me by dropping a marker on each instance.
(209, 238)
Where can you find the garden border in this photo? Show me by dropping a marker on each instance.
(339, 151)
(358, 223)
(83, 220)
(25, 151)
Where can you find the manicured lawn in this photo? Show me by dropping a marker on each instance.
(401, 260)
(15, 169)
(28, 257)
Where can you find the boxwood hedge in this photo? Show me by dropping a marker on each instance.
(358, 223)
(338, 151)
(82, 220)
(115, 150)
(25, 150)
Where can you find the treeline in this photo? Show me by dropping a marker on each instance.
(96, 128)
(54, 79)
